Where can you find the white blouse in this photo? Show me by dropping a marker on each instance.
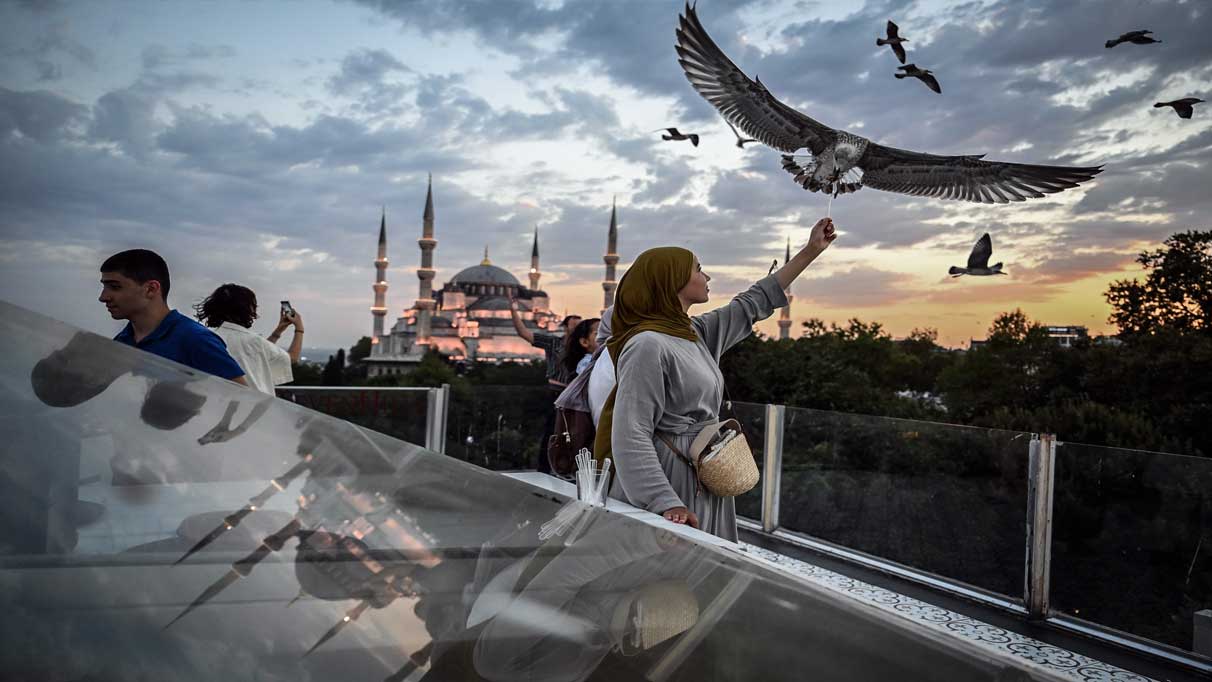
(265, 365)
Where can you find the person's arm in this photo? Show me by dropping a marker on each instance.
(517, 322)
(639, 403)
(724, 327)
(819, 239)
(296, 343)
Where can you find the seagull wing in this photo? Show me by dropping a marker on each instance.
(743, 101)
(979, 258)
(900, 51)
(893, 31)
(1183, 109)
(932, 83)
(966, 178)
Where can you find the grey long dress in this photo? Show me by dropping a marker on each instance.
(674, 387)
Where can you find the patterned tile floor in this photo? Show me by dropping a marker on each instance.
(1054, 659)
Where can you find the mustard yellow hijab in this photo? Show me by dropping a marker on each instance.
(646, 300)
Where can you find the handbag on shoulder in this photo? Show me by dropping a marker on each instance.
(574, 430)
(721, 459)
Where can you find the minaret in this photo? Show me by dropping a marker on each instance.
(785, 315)
(534, 261)
(611, 258)
(425, 303)
(379, 310)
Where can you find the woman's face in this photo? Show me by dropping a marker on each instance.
(590, 343)
(696, 290)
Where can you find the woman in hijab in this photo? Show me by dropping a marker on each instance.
(669, 384)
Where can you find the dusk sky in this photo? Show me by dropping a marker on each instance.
(255, 142)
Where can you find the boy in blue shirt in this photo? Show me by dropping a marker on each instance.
(134, 287)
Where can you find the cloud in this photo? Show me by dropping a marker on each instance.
(39, 115)
(157, 56)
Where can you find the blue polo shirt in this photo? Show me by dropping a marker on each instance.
(186, 341)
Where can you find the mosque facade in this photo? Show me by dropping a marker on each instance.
(468, 318)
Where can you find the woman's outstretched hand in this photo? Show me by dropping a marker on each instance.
(681, 515)
(823, 234)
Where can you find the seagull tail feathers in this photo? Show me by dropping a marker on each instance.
(955, 271)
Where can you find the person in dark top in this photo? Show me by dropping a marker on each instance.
(134, 287)
(558, 375)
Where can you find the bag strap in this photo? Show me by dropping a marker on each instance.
(698, 482)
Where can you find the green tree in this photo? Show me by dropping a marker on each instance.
(359, 350)
(1176, 293)
(334, 369)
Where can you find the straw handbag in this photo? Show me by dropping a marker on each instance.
(727, 470)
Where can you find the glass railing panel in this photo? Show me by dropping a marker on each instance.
(752, 417)
(1132, 540)
(946, 499)
(395, 412)
(162, 524)
(498, 427)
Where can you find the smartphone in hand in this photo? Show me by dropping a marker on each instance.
(287, 310)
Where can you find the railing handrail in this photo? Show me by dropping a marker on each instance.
(409, 389)
(899, 419)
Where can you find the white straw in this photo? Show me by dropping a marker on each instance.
(599, 490)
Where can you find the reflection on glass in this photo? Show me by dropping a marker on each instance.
(1132, 540)
(946, 499)
(162, 524)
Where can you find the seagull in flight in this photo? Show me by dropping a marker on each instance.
(1135, 37)
(978, 260)
(673, 134)
(1183, 107)
(924, 75)
(742, 141)
(894, 40)
(840, 159)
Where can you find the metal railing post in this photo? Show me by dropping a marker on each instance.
(772, 466)
(443, 405)
(1038, 569)
(431, 409)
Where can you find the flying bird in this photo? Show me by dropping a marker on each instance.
(894, 39)
(978, 260)
(675, 135)
(740, 141)
(924, 75)
(1183, 107)
(842, 161)
(1135, 37)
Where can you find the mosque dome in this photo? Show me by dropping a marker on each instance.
(485, 273)
(490, 303)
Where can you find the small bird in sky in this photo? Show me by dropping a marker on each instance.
(894, 39)
(773, 265)
(978, 260)
(924, 75)
(1183, 107)
(675, 135)
(1134, 37)
(740, 141)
